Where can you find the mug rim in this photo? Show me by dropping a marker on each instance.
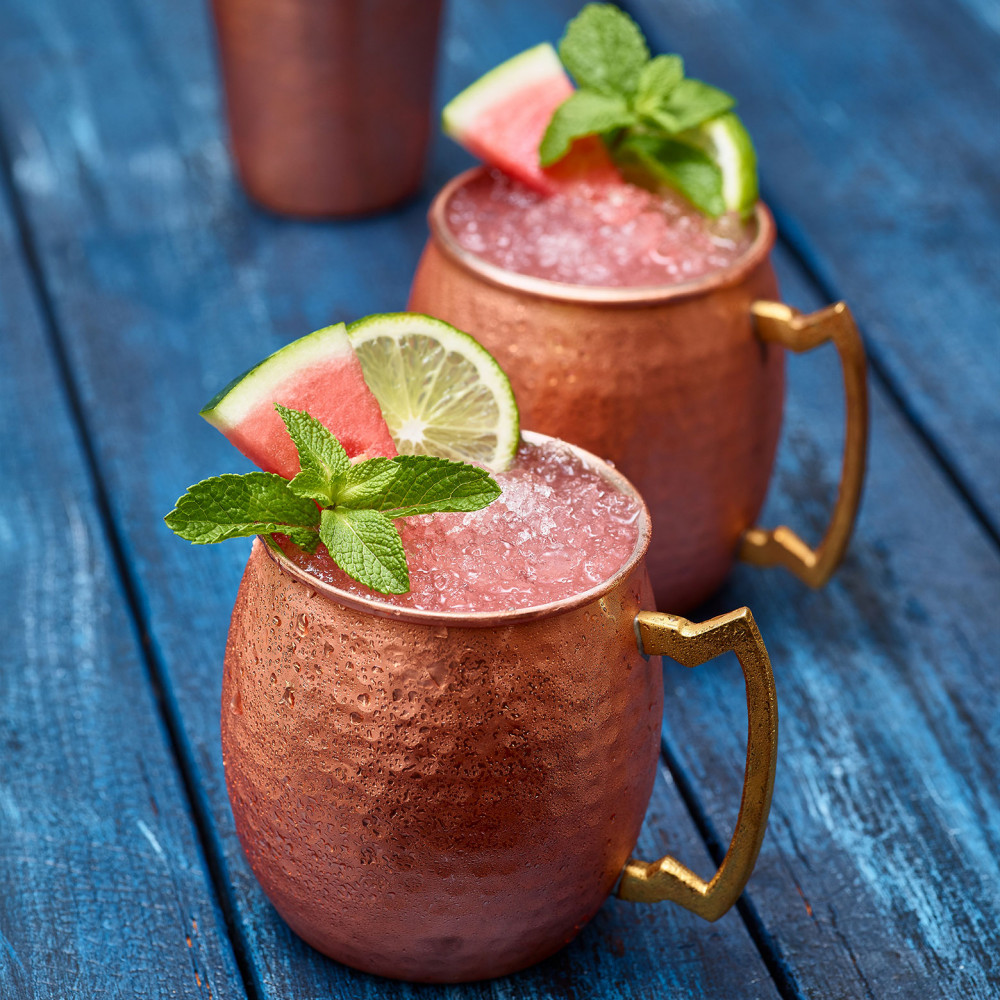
(605, 295)
(488, 619)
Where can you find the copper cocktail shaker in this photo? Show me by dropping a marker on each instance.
(328, 100)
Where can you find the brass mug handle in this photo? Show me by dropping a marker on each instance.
(691, 644)
(780, 324)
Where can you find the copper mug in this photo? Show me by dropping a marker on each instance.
(445, 797)
(680, 386)
(328, 100)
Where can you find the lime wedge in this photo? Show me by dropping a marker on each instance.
(727, 143)
(441, 393)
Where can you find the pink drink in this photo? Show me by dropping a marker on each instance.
(618, 235)
(558, 530)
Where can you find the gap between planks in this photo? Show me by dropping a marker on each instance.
(210, 848)
(208, 841)
(763, 940)
(793, 238)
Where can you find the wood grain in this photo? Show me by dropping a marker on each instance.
(165, 282)
(103, 887)
(876, 127)
(879, 874)
(885, 823)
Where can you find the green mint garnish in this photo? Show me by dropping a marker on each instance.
(231, 506)
(322, 460)
(366, 545)
(684, 168)
(643, 108)
(605, 50)
(357, 503)
(365, 482)
(584, 112)
(428, 485)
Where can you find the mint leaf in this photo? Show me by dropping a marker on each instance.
(680, 166)
(366, 546)
(322, 459)
(604, 50)
(690, 103)
(232, 506)
(429, 485)
(656, 80)
(365, 482)
(360, 502)
(582, 113)
(624, 95)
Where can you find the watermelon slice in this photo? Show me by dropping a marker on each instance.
(502, 117)
(320, 374)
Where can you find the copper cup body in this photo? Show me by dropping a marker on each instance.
(430, 796)
(671, 384)
(328, 100)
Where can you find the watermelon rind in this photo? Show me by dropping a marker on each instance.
(401, 398)
(236, 401)
(519, 72)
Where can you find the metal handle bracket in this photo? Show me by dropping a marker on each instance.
(780, 324)
(692, 644)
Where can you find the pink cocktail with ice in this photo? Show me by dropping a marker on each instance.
(604, 235)
(559, 529)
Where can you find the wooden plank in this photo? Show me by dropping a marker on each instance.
(165, 283)
(885, 832)
(986, 12)
(812, 951)
(876, 129)
(103, 888)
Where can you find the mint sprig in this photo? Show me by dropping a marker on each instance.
(231, 506)
(644, 108)
(604, 49)
(349, 507)
(367, 547)
(322, 460)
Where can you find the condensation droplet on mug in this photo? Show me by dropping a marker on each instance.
(288, 698)
(396, 694)
(236, 703)
(438, 672)
(274, 678)
(356, 718)
(441, 632)
(363, 698)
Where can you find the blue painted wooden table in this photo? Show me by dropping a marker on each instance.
(135, 279)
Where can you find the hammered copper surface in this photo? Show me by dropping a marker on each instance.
(436, 803)
(328, 102)
(670, 384)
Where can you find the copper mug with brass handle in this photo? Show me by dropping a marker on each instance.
(681, 386)
(449, 796)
